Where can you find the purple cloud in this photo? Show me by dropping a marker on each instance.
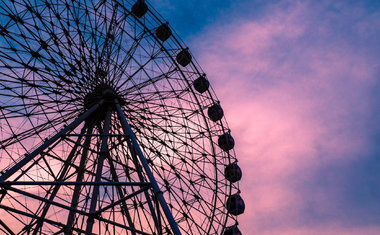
(300, 90)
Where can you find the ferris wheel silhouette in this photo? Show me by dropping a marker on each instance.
(109, 125)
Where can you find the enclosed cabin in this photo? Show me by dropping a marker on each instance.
(139, 9)
(226, 142)
(233, 230)
(163, 32)
(215, 112)
(201, 84)
(235, 205)
(184, 58)
(233, 173)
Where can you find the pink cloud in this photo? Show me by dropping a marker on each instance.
(295, 103)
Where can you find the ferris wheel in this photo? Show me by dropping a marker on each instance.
(108, 125)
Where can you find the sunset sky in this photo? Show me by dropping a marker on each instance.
(300, 85)
(299, 82)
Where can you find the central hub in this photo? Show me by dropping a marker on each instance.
(100, 92)
(105, 93)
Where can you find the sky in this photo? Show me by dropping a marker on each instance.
(299, 82)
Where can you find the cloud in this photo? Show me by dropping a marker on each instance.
(299, 86)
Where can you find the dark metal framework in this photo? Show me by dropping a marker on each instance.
(101, 130)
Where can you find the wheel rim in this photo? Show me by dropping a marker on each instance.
(52, 56)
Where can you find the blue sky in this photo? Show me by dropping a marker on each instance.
(299, 81)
